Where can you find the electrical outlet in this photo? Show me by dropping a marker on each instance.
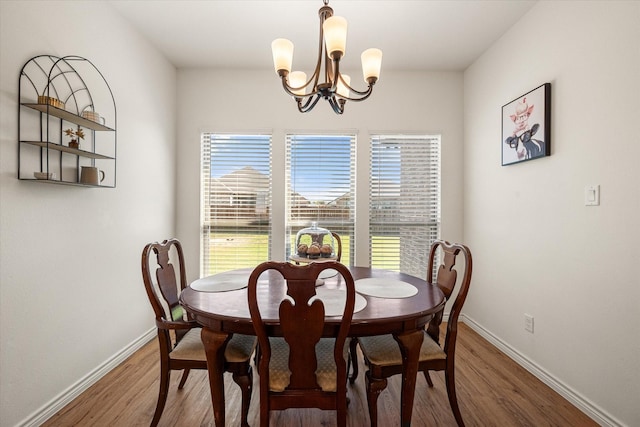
(528, 323)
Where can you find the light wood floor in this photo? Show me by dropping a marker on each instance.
(492, 391)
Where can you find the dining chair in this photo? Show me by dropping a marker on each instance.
(298, 368)
(382, 355)
(179, 338)
(337, 245)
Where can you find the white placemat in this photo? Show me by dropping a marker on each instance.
(325, 274)
(334, 299)
(221, 282)
(329, 272)
(385, 288)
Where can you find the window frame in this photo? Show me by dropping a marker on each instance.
(400, 199)
(237, 203)
(345, 227)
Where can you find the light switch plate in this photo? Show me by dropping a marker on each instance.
(528, 322)
(592, 195)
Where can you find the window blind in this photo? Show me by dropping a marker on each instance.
(404, 201)
(235, 201)
(320, 183)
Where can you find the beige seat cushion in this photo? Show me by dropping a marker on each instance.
(326, 372)
(239, 348)
(383, 350)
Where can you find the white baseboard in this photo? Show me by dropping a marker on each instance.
(60, 401)
(585, 405)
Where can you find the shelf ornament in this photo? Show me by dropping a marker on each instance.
(79, 133)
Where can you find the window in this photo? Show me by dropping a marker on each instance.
(236, 185)
(405, 201)
(235, 204)
(321, 186)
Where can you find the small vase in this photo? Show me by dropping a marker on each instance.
(73, 144)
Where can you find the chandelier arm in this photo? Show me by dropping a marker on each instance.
(366, 92)
(289, 89)
(308, 106)
(336, 74)
(316, 73)
(324, 13)
(359, 92)
(336, 105)
(308, 103)
(362, 98)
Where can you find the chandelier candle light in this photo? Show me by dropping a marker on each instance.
(336, 87)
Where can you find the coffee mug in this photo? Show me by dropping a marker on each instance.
(89, 175)
(93, 116)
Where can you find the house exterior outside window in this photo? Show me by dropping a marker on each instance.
(235, 201)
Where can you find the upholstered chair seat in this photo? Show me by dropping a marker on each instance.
(326, 373)
(383, 350)
(239, 348)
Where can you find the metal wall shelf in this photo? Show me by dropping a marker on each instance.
(64, 148)
(70, 117)
(61, 87)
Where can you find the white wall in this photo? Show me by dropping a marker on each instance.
(537, 248)
(253, 101)
(71, 294)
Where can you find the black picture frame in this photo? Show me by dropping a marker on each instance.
(526, 126)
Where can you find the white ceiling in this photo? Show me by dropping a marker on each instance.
(413, 34)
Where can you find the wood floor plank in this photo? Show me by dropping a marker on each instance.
(492, 391)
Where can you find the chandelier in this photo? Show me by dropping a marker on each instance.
(336, 87)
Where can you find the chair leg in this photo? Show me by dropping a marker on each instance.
(165, 376)
(183, 380)
(264, 413)
(353, 359)
(245, 382)
(341, 415)
(374, 388)
(428, 378)
(451, 393)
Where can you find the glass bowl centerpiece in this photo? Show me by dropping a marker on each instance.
(314, 242)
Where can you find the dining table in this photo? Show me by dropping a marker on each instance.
(387, 302)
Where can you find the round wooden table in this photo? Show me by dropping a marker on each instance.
(224, 313)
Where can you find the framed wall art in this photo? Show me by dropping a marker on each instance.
(526, 126)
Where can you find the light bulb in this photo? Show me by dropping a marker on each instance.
(297, 79)
(335, 36)
(282, 50)
(342, 89)
(371, 63)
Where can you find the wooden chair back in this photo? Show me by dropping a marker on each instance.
(337, 245)
(164, 284)
(301, 323)
(446, 280)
